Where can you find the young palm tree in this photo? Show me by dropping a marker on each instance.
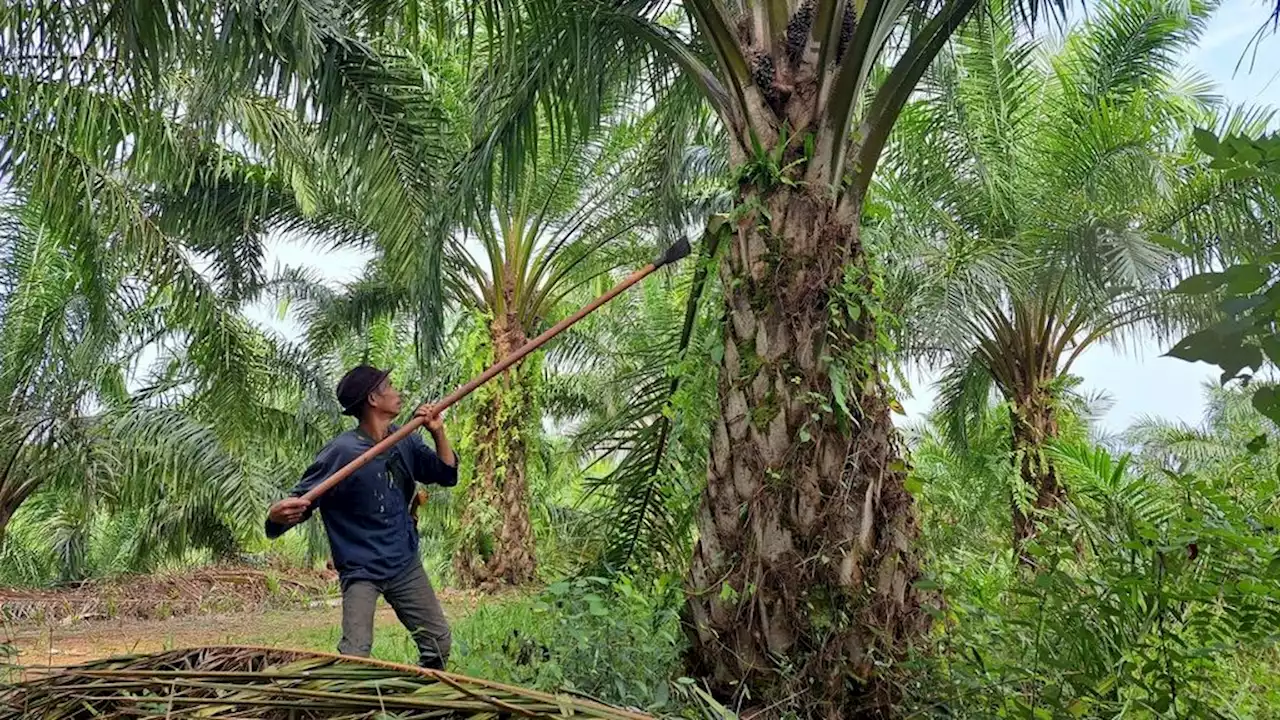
(73, 440)
(378, 118)
(1030, 206)
(565, 226)
(572, 220)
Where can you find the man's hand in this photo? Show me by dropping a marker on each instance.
(435, 423)
(289, 511)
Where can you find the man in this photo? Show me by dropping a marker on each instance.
(372, 537)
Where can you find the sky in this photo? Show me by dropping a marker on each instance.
(1136, 379)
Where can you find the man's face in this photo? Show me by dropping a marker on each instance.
(385, 398)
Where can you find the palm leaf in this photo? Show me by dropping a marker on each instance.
(226, 682)
(647, 508)
(1007, 215)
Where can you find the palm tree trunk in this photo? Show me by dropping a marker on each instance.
(6, 514)
(13, 492)
(1035, 424)
(497, 546)
(802, 578)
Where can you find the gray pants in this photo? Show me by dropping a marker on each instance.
(411, 596)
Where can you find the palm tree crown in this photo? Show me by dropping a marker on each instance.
(1033, 201)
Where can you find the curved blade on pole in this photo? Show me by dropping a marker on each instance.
(672, 254)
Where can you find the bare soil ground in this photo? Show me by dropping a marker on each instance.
(55, 645)
(217, 607)
(216, 589)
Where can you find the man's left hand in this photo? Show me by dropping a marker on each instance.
(435, 422)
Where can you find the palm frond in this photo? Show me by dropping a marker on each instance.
(557, 71)
(225, 682)
(656, 433)
(1130, 47)
(964, 393)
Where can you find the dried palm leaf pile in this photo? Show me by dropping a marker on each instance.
(218, 589)
(248, 682)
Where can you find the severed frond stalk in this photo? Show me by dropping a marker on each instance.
(235, 682)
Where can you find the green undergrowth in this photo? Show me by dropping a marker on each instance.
(615, 640)
(1155, 594)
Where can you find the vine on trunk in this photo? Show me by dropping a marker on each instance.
(803, 580)
(495, 543)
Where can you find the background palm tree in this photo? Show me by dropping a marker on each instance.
(1234, 447)
(1030, 206)
(152, 209)
(574, 219)
(79, 446)
(132, 137)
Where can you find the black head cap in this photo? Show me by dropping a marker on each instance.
(355, 386)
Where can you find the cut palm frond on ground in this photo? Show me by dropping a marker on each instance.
(241, 682)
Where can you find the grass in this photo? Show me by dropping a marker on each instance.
(608, 640)
(391, 642)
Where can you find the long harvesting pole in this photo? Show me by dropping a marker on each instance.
(674, 253)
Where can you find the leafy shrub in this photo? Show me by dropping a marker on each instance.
(26, 558)
(610, 639)
(1155, 597)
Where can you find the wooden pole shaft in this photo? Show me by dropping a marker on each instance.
(497, 368)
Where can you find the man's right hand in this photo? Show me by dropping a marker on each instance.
(289, 511)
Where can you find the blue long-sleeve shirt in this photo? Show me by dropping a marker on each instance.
(366, 516)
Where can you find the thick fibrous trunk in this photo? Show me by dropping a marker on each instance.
(497, 547)
(6, 514)
(801, 587)
(13, 492)
(1034, 425)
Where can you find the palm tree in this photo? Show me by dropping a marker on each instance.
(63, 341)
(150, 232)
(165, 147)
(573, 219)
(1030, 208)
(564, 227)
(802, 580)
(75, 444)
